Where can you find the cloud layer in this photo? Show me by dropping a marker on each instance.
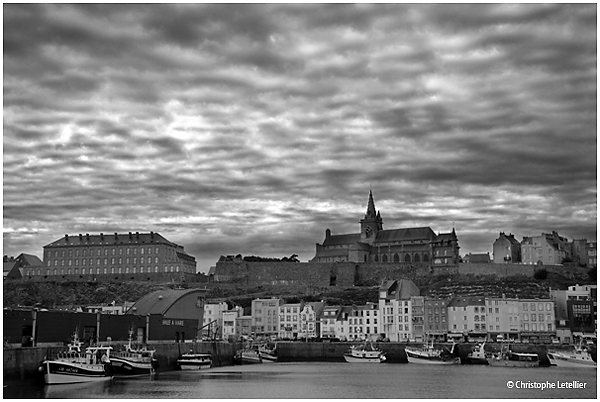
(252, 128)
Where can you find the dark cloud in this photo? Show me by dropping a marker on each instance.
(245, 128)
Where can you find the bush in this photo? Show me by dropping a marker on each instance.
(592, 273)
(541, 274)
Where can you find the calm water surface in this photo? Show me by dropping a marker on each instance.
(327, 380)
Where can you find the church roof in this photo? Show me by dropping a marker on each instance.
(423, 233)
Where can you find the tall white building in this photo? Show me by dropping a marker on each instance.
(289, 320)
(265, 317)
(395, 309)
(212, 324)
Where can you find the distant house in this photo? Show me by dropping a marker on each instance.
(547, 249)
(25, 265)
(477, 258)
(506, 249)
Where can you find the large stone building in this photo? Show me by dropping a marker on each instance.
(546, 249)
(506, 249)
(135, 254)
(374, 244)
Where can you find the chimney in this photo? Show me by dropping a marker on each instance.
(67, 237)
(327, 234)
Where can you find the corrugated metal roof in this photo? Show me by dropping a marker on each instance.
(160, 301)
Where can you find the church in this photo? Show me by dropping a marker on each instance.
(374, 244)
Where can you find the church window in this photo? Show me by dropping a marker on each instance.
(384, 258)
(417, 259)
(396, 258)
(407, 258)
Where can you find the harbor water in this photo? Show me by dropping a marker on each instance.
(332, 380)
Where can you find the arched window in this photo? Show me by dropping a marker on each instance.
(82, 271)
(407, 258)
(384, 258)
(396, 258)
(425, 257)
(120, 270)
(55, 271)
(376, 258)
(417, 258)
(112, 270)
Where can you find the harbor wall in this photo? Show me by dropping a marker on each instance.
(22, 363)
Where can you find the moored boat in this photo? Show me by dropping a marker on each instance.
(133, 360)
(194, 361)
(268, 354)
(73, 366)
(477, 355)
(507, 358)
(247, 356)
(579, 357)
(366, 353)
(428, 354)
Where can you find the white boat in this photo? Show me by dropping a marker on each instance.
(508, 358)
(477, 355)
(366, 353)
(133, 361)
(194, 361)
(267, 354)
(73, 366)
(579, 357)
(247, 356)
(428, 354)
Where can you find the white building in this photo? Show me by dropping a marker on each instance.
(395, 309)
(329, 319)
(310, 320)
(265, 317)
(229, 320)
(289, 320)
(212, 324)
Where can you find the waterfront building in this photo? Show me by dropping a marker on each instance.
(506, 249)
(289, 320)
(502, 318)
(175, 309)
(418, 318)
(265, 317)
(343, 324)
(374, 244)
(229, 321)
(395, 309)
(575, 311)
(467, 319)
(370, 312)
(329, 318)
(547, 249)
(135, 255)
(435, 319)
(310, 322)
(537, 319)
(212, 325)
(243, 327)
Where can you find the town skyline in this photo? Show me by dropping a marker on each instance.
(251, 129)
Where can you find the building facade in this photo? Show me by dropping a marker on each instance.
(467, 319)
(135, 254)
(592, 254)
(212, 325)
(537, 320)
(374, 244)
(395, 309)
(265, 317)
(506, 249)
(229, 320)
(502, 318)
(547, 249)
(435, 319)
(289, 320)
(310, 320)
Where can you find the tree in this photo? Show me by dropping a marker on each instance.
(541, 274)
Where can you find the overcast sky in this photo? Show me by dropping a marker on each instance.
(253, 128)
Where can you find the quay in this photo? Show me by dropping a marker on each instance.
(22, 362)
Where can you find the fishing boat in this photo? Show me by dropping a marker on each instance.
(507, 358)
(194, 361)
(579, 357)
(477, 355)
(428, 354)
(366, 353)
(73, 366)
(247, 356)
(268, 354)
(133, 361)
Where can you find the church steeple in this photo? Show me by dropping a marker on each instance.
(371, 223)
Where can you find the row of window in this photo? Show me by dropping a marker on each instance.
(113, 261)
(105, 270)
(105, 250)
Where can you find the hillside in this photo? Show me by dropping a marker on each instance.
(50, 295)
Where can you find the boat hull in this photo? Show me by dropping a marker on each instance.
(193, 366)
(561, 360)
(57, 372)
(267, 358)
(125, 368)
(512, 363)
(354, 359)
(194, 362)
(415, 357)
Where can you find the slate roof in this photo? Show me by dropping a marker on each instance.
(111, 238)
(160, 301)
(335, 240)
(423, 233)
(30, 260)
(400, 290)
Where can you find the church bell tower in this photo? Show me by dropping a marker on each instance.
(371, 223)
